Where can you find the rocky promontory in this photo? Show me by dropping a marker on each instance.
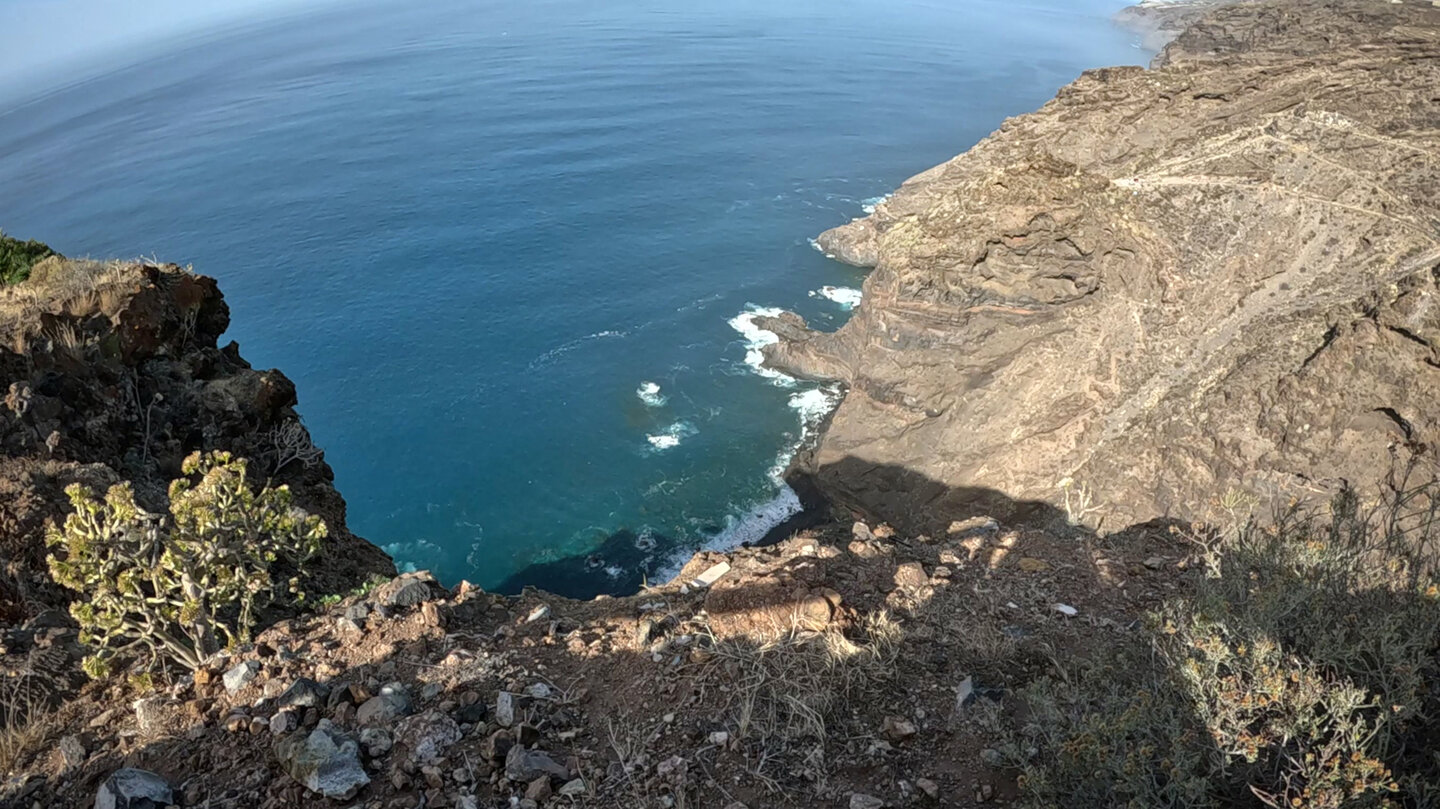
(112, 372)
(1217, 274)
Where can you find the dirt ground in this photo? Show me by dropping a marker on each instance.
(845, 667)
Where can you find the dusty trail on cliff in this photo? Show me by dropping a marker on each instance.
(1217, 273)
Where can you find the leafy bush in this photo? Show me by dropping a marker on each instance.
(1297, 674)
(17, 257)
(155, 591)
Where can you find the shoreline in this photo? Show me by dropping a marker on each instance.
(1157, 22)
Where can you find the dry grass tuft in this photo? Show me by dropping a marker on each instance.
(1298, 670)
(76, 288)
(789, 687)
(26, 728)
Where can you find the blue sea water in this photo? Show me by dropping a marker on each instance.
(501, 247)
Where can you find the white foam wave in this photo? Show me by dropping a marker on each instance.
(751, 524)
(756, 339)
(671, 436)
(419, 554)
(649, 393)
(813, 406)
(822, 251)
(565, 348)
(868, 205)
(847, 297)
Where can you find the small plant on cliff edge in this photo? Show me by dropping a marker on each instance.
(17, 257)
(156, 592)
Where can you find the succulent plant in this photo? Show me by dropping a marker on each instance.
(156, 591)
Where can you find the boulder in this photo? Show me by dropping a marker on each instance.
(240, 675)
(131, 788)
(406, 590)
(324, 761)
(390, 704)
(527, 765)
(427, 735)
(304, 693)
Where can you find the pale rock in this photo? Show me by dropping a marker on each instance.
(324, 761)
(427, 735)
(131, 788)
(240, 675)
(505, 709)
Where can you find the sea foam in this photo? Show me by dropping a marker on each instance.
(847, 297)
(752, 523)
(649, 393)
(671, 436)
(756, 339)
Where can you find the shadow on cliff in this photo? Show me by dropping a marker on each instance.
(915, 503)
(611, 682)
(627, 561)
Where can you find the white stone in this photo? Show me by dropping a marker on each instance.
(711, 575)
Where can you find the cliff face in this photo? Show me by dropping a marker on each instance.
(112, 372)
(1217, 274)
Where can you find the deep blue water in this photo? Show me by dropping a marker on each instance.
(471, 231)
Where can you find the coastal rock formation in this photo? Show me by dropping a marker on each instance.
(1219, 274)
(111, 372)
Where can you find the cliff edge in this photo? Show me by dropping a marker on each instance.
(111, 372)
(1217, 274)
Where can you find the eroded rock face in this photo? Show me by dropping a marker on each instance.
(1217, 274)
(111, 373)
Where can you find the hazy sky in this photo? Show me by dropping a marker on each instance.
(48, 37)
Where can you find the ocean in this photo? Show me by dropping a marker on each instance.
(509, 252)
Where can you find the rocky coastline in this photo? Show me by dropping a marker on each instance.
(1214, 274)
(1168, 298)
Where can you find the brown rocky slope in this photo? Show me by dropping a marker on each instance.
(1220, 273)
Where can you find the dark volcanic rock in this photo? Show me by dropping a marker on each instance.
(111, 372)
(1217, 274)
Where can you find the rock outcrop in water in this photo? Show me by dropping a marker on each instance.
(1217, 274)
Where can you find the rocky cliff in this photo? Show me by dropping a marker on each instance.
(112, 372)
(1218, 274)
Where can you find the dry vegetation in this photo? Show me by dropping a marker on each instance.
(1296, 672)
(788, 687)
(74, 288)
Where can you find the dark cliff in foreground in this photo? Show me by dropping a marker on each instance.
(1217, 274)
(112, 372)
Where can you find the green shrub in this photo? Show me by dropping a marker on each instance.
(154, 592)
(17, 257)
(1297, 673)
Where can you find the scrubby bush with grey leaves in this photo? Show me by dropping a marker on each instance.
(155, 592)
(1297, 670)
